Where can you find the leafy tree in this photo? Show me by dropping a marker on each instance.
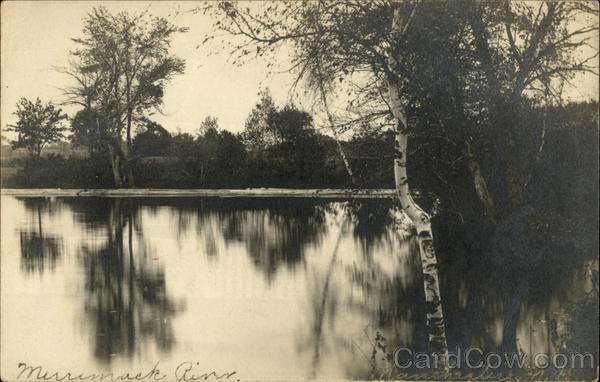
(183, 146)
(267, 125)
(463, 70)
(121, 67)
(290, 124)
(88, 129)
(38, 125)
(296, 156)
(221, 159)
(153, 141)
(257, 135)
(231, 160)
(208, 124)
(525, 54)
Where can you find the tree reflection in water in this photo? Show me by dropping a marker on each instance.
(376, 289)
(39, 250)
(323, 301)
(364, 290)
(278, 234)
(126, 297)
(495, 301)
(275, 231)
(492, 300)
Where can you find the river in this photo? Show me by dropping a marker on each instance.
(271, 288)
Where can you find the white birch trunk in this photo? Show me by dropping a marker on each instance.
(336, 138)
(332, 126)
(420, 219)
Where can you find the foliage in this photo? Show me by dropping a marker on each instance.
(208, 123)
(290, 124)
(121, 66)
(88, 129)
(129, 54)
(285, 150)
(563, 181)
(467, 71)
(154, 140)
(257, 135)
(55, 171)
(38, 125)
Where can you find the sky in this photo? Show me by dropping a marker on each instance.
(36, 38)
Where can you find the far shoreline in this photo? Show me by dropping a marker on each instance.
(221, 193)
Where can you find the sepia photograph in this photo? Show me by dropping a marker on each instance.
(293, 190)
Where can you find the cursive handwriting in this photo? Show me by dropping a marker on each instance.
(184, 372)
(39, 374)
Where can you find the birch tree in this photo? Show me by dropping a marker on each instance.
(320, 59)
(420, 219)
(443, 75)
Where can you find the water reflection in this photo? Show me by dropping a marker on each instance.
(278, 235)
(39, 250)
(339, 282)
(275, 232)
(126, 297)
(373, 219)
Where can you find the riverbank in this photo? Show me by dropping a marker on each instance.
(223, 193)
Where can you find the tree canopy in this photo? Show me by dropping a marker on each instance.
(460, 80)
(209, 123)
(465, 71)
(257, 134)
(38, 124)
(121, 67)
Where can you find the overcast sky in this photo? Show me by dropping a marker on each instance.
(36, 36)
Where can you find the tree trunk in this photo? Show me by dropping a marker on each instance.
(515, 181)
(504, 116)
(420, 219)
(128, 160)
(114, 160)
(115, 164)
(332, 127)
(480, 185)
(342, 153)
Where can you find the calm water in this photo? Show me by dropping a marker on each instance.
(269, 288)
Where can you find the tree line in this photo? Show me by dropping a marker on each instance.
(278, 147)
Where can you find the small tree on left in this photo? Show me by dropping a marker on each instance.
(38, 125)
